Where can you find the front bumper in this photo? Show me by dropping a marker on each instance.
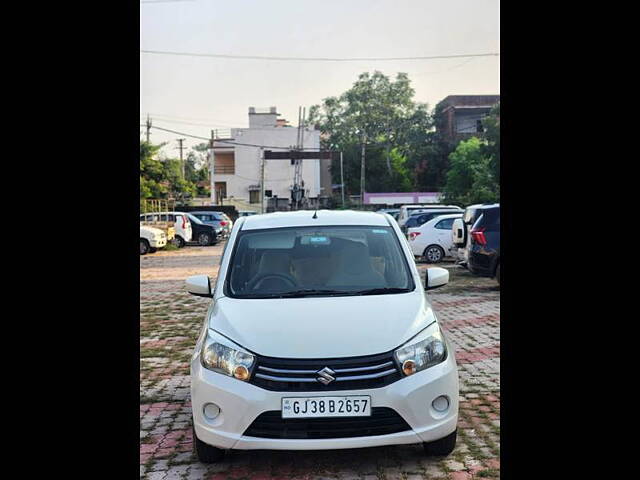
(240, 403)
(158, 242)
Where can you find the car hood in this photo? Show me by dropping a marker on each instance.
(322, 327)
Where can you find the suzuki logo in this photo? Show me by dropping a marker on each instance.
(325, 376)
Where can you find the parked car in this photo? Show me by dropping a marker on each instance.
(394, 212)
(299, 353)
(484, 252)
(460, 231)
(218, 220)
(246, 213)
(202, 233)
(407, 210)
(432, 241)
(151, 239)
(179, 220)
(423, 217)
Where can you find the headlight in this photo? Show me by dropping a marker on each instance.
(425, 350)
(223, 356)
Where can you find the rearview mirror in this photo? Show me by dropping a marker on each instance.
(436, 277)
(199, 285)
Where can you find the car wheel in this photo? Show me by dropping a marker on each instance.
(498, 274)
(433, 254)
(204, 239)
(206, 453)
(144, 246)
(153, 250)
(444, 446)
(179, 241)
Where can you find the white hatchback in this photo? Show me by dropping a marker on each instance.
(432, 240)
(320, 335)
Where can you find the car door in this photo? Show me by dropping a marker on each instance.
(443, 235)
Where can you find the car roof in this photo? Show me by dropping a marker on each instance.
(430, 206)
(161, 213)
(205, 211)
(431, 210)
(304, 218)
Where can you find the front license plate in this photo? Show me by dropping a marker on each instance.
(311, 407)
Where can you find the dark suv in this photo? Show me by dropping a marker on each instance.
(484, 251)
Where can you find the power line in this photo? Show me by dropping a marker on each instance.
(317, 59)
(229, 142)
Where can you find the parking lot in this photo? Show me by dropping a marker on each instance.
(170, 319)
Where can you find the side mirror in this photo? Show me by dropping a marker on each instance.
(436, 277)
(199, 285)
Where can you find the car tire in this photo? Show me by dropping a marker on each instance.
(144, 246)
(206, 453)
(498, 273)
(441, 447)
(204, 239)
(153, 250)
(179, 241)
(433, 254)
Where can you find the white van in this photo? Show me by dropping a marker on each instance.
(181, 221)
(319, 336)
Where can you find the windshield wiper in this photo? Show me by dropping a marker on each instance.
(310, 292)
(380, 291)
(295, 294)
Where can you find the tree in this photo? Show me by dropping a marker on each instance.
(382, 113)
(162, 177)
(492, 148)
(469, 179)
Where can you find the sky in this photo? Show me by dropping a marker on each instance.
(197, 94)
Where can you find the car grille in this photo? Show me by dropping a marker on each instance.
(292, 375)
(382, 421)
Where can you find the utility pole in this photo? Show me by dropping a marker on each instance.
(364, 140)
(342, 179)
(180, 141)
(262, 180)
(148, 127)
(212, 157)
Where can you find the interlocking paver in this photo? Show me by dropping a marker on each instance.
(468, 309)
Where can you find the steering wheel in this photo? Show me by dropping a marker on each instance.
(280, 276)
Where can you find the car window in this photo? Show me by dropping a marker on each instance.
(338, 260)
(194, 219)
(445, 224)
(491, 219)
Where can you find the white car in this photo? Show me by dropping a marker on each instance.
(407, 210)
(151, 239)
(432, 240)
(319, 335)
(181, 223)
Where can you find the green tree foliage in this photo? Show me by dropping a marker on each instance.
(492, 135)
(470, 179)
(162, 178)
(395, 127)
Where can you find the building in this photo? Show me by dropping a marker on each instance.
(459, 117)
(401, 198)
(237, 171)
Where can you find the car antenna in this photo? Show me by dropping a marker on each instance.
(315, 214)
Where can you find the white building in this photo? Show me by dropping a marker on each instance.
(237, 172)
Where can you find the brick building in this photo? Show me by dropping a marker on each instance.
(459, 117)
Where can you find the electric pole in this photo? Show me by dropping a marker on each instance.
(342, 179)
(262, 180)
(213, 169)
(364, 140)
(180, 140)
(148, 127)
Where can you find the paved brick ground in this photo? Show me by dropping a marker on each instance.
(468, 308)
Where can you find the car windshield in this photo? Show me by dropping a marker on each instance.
(318, 261)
